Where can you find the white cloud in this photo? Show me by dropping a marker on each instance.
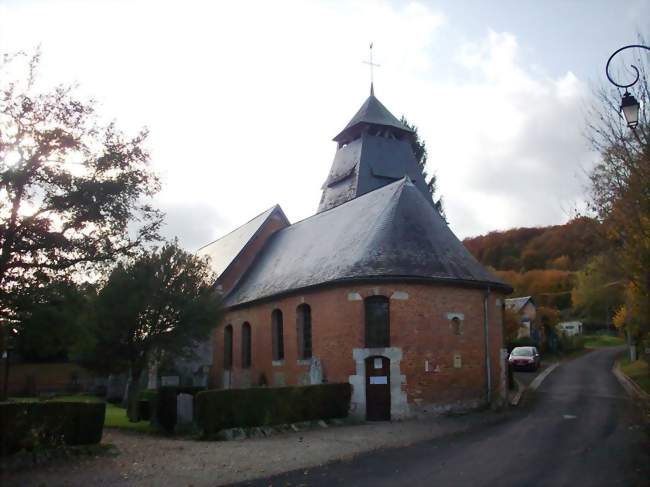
(242, 99)
(506, 144)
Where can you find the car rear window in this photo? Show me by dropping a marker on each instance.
(522, 352)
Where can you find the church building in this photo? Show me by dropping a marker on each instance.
(374, 289)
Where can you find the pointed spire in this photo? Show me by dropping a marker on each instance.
(372, 112)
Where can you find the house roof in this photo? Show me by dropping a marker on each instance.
(390, 233)
(516, 304)
(373, 112)
(224, 251)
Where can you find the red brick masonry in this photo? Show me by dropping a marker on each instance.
(420, 324)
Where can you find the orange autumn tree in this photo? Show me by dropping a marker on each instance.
(620, 195)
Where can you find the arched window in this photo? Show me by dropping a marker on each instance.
(303, 328)
(277, 335)
(246, 345)
(227, 348)
(456, 325)
(377, 322)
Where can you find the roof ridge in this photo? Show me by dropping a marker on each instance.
(400, 181)
(268, 210)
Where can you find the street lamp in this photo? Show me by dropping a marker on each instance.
(629, 105)
(630, 109)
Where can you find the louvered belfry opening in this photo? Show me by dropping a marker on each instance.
(373, 150)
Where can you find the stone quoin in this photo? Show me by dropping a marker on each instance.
(374, 289)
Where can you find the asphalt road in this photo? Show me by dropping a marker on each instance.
(578, 429)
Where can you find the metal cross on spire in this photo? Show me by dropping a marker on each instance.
(372, 72)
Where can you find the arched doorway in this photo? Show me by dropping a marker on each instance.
(377, 389)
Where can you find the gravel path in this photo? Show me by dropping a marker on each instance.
(146, 460)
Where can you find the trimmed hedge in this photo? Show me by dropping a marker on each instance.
(222, 409)
(32, 424)
(146, 403)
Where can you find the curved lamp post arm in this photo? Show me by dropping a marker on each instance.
(636, 70)
(629, 105)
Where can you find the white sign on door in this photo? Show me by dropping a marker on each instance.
(379, 380)
(377, 363)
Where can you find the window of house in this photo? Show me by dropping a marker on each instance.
(277, 335)
(303, 322)
(377, 322)
(227, 347)
(456, 326)
(246, 345)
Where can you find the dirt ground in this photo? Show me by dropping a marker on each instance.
(146, 460)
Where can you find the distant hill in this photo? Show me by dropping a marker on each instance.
(565, 247)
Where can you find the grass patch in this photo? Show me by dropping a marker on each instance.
(637, 371)
(70, 398)
(116, 418)
(603, 341)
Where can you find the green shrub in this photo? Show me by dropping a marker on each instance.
(222, 409)
(146, 403)
(31, 424)
(571, 343)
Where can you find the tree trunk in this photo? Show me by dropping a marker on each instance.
(132, 395)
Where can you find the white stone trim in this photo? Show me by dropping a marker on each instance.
(400, 295)
(451, 316)
(354, 297)
(277, 363)
(399, 407)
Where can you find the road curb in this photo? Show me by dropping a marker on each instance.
(537, 381)
(632, 389)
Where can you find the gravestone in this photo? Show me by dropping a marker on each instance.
(170, 380)
(115, 386)
(184, 408)
(315, 371)
(152, 376)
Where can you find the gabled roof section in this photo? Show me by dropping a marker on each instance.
(392, 232)
(516, 304)
(373, 112)
(224, 251)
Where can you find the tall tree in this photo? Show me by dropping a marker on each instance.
(54, 320)
(620, 190)
(71, 189)
(161, 303)
(420, 150)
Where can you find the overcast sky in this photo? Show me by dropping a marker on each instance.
(242, 98)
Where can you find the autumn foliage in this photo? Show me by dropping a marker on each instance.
(565, 247)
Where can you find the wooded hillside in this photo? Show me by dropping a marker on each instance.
(565, 247)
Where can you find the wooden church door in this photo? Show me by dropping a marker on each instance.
(377, 389)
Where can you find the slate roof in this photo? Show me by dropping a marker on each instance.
(366, 164)
(224, 251)
(392, 232)
(516, 304)
(373, 112)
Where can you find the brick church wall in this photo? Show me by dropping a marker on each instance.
(420, 326)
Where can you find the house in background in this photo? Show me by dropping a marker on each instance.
(570, 328)
(524, 307)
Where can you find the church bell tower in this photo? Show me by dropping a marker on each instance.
(373, 150)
